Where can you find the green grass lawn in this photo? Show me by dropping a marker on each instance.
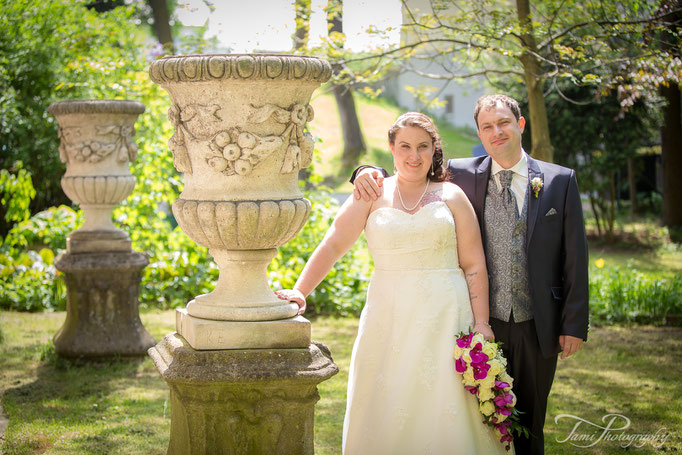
(121, 407)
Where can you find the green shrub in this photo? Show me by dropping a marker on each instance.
(16, 193)
(46, 229)
(629, 295)
(60, 49)
(343, 291)
(30, 282)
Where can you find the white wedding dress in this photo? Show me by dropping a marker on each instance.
(404, 396)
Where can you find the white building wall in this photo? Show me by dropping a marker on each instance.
(462, 95)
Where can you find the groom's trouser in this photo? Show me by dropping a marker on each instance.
(533, 375)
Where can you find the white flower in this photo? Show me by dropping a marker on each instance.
(485, 394)
(487, 408)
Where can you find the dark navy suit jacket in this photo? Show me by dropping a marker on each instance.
(556, 245)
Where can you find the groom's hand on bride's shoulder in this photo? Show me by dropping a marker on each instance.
(293, 295)
(569, 345)
(369, 184)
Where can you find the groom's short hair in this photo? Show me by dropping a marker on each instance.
(488, 102)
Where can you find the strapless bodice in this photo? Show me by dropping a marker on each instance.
(425, 240)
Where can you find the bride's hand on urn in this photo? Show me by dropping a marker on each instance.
(369, 184)
(484, 329)
(293, 295)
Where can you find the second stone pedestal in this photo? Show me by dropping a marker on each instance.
(102, 316)
(241, 401)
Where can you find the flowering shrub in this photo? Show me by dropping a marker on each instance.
(625, 294)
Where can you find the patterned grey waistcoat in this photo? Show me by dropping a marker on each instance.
(505, 251)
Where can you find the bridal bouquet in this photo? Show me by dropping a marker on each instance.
(484, 374)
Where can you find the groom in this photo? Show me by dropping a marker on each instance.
(534, 238)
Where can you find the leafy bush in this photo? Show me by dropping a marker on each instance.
(629, 295)
(16, 193)
(30, 282)
(46, 229)
(59, 49)
(343, 291)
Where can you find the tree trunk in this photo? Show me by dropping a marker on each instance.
(632, 185)
(671, 147)
(162, 28)
(353, 141)
(541, 144)
(595, 212)
(611, 209)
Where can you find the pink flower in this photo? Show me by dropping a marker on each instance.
(472, 389)
(503, 427)
(477, 356)
(504, 400)
(460, 365)
(465, 341)
(499, 385)
(481, 371)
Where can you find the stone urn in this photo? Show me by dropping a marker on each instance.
(240, 141)
(96, 143)
(101, 271)
(242, 369)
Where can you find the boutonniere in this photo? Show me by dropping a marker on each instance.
(536, 184)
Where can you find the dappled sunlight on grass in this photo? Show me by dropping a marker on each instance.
(630, 371)
(121, 407)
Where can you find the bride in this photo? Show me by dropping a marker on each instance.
(430, 282)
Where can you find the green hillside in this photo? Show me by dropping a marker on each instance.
(376, 116)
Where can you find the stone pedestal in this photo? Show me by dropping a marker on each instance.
(241, 368)
(102, 305)
(250, 402)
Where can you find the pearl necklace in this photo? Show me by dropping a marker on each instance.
(420, 197)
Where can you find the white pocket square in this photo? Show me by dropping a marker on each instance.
(551, 212)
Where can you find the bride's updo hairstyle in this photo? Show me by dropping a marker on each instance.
(422, 121)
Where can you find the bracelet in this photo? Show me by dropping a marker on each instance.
(481, 322)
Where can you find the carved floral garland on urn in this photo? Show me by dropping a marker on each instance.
(235, 150)
(240, 141)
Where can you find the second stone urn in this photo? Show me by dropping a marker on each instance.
(101, 271)
(96, 143)
(239, 141)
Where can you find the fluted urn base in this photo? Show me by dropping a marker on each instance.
(242, 402)
(102, 316)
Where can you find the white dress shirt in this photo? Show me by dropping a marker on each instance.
(519, 183)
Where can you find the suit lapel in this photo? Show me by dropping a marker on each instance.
(481, 188)
(533, 202)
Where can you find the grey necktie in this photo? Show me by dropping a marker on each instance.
(505, 183)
